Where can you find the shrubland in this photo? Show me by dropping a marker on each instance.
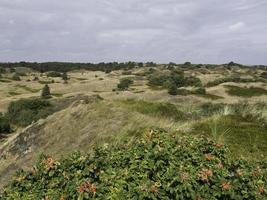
(158, 165)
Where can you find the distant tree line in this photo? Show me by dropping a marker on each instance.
(66, 66)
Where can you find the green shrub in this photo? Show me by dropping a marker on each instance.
(176, 77)
(65, 77)
(173, 90)
(124, 83)
(159, 165)
(263, 75)
(53, 74)
(46, 92)
(25, 111)
(4, 125)
(16, 77)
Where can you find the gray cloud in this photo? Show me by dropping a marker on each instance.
(201, 31)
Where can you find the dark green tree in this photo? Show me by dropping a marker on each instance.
(46, 92)
(173, 90)
(65, 77)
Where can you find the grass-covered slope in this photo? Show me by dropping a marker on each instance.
(78, 127)
(159, 165)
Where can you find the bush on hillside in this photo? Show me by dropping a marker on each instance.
(173, 90)
(53, 74)
(176, 77)
(157, 166)
(4, 125)
(65, 77)
(46, 92)
(263, 75)
(25, 111)
(124, 83)
(16, 77)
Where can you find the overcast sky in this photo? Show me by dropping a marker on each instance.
(200, 31)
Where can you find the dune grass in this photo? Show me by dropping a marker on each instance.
(245, 91)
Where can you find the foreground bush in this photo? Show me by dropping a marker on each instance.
(157, 166)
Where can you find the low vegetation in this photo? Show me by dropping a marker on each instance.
(159, 165)
(125, 83)
(162, 110)
(233, 79)
(175, 78)
(245, 91)
(25, 111)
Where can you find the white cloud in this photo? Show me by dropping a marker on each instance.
(237, 26)
(202, 31)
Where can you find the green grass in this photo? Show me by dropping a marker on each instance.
(210, 96)
(245, 91)
(245, 136)
(159, 109)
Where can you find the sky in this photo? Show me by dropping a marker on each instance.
(163, 31)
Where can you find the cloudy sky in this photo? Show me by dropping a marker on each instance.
(200, 31)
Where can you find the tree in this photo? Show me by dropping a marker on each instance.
(173, 90)
(46, 92)
(65, 77)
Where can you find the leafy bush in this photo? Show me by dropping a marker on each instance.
(24, 111)
(16, 77)
(157, 166)
(124, 83)
(53, 74)
(46, 92)
(176, 77)
(173, 90)
(4, 125)
(264, 75)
